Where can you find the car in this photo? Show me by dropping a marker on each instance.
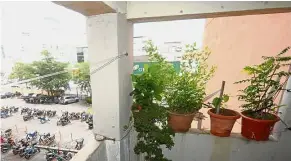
(3, 95)
(7, 95)
(26, 95)
(68, 99)
(34, 98)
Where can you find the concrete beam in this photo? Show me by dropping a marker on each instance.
(139, 11)
(88, 8)
(118, 6)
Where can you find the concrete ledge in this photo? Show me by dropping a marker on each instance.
(93, 151)
(232, 135)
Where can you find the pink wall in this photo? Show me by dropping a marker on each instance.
(239, 41)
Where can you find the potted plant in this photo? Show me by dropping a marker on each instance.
(149, 113)
(185, 93)
(265, 84)
(221, 119)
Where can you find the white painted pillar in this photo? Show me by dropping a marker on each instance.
(110, 35)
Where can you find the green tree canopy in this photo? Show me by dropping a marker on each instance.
(48, 65)
(21, 71)
(81, 76)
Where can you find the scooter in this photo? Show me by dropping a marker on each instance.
(31, 151)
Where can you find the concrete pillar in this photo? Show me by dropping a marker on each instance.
(110, 35)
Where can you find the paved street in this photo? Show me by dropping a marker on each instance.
(65, 135)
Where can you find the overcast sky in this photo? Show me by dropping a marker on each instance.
(51, 23)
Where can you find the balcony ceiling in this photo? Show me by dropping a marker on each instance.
(87, 8)
(139, 11)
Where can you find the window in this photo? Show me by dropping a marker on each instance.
(80, 55)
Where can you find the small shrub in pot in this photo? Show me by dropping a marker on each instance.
(185, 94)
(264, 85)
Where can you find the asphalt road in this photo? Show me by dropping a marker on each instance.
(65, 135)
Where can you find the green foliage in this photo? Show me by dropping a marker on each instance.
(187, 90)
(47, 65)
(150, 116)
(21, 71)
(82, 77)
(264, 85)
(89, 100)
(219, 102)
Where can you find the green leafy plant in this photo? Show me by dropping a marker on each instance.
(264, 85)
(219, 102)
(187, 90)
(149, 115)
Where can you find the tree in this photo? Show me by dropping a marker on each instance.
(81, 76)
(21, 71)
(48, 65)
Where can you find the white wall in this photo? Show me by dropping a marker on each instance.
(205, 147)
(93, 151)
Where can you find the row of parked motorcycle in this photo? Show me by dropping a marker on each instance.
(29, 146)
(8, 111)
(42, 115)
(83, 116)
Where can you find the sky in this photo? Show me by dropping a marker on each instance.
(49, 23)
(187, 31)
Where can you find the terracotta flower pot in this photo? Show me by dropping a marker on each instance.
(255, 129)
(180, 122)
(222, 124)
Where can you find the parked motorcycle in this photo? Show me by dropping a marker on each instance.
(58, 155)
(5, 113)
(63, 121)
(28, 116)
(32, 136)
(50, 113)
(31, 151)
(7, 133)
(43, 119)
(84, 116)
(13, 109)
(20, 147)
(7, 145)
(74, 116)
(79, 144)
(24, 110)
(46, 139)
(90, 122)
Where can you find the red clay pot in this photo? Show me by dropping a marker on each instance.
(180, 122)
(221, 125)
(255, 129)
